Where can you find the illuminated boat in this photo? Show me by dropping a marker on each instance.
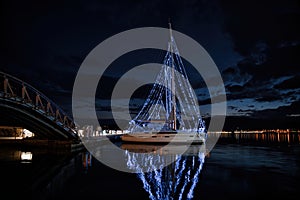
(171, 112)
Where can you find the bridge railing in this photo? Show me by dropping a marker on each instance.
(17, 90)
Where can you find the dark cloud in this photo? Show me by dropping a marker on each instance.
(267, 81)
(268, 97)
(235, 88)
(235, 76)
(255, 44)
(232, 107)
(250, 22)
(291, 83)
(281, 112)
(278, 62)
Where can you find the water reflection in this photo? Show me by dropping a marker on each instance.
(26, 157)
(35, 173)
(270, 137)
(234, 170)
(86, 160)
(174, 181)
(15, 155)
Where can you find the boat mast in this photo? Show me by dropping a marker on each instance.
(173, 110)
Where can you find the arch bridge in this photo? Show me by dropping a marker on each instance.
(23, 105)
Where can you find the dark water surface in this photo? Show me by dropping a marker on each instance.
(232, 170)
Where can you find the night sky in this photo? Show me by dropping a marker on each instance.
(255, 45)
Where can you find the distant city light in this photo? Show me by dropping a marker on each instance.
(26, 156)
(27, 133)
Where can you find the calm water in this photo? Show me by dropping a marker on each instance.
(234, 169)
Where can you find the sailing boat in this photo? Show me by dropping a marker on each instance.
(171, 112)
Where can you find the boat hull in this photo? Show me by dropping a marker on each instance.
(183, 138)
(161, 149)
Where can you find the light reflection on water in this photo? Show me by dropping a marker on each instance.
(26, 157)
(174, 181)
(34, 173)
(271, 137)
(236, 168)
(16, 155)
